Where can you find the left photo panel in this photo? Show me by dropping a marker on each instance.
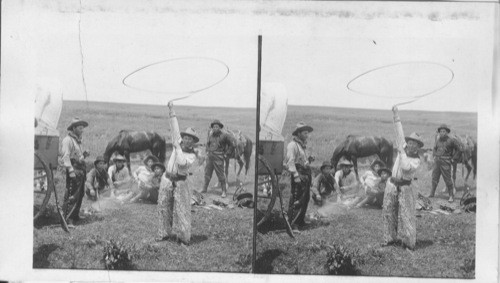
(144, 137)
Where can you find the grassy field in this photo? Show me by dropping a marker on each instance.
(222, 239)
(445, 243)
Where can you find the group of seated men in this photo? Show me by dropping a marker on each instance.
(342, 186)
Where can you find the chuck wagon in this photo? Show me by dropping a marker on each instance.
(270, 170)
(45, 163)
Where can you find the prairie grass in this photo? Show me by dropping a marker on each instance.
(221, 240)
(445, 243)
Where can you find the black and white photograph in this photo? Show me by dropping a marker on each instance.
(144, 131)
(368, 142)
(249, 141)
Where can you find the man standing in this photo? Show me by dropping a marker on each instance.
(219, 145)
(297, 163)
(73, 157)
(446, 151)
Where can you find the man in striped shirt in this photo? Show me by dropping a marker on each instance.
(297, 163)
(73, 157)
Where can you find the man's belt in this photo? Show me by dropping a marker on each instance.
(175, 177)
(398, 182)
(79, 165)
(303, 170)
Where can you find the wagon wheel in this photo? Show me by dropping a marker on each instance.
(267, 182)
(41, 198)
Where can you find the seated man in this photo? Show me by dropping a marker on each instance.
(347, 184)
(97, 180)
(323, 185)
(147, 180)
(119, 176)
(369, 182)
(385, 176)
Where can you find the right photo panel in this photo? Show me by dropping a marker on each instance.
(367, 155)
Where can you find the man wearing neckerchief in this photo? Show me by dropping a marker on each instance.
(219, 146)
(174, 196)
(73, 157)
(297, 163)
(399, 200)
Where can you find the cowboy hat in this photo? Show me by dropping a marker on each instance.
(384, 169)
(326, 164)
(152, 157)
(415, 137)
(345, 162)
(301, 126)
(99, 159)
(118, 157)
(216, 122)
(379, 162)
(77, 122)
(158, 164)
(192, 133)
(444, 126)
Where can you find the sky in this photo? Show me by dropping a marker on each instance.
(313, 49)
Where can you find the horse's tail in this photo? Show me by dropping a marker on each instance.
(162, 149)
(247, 153)
(390, 155)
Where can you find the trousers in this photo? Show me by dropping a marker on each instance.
(174, 211)
(215, 163)
(399, 204)
(75, 190)
(442, 167)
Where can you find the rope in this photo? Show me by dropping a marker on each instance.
(413, 98)
(188, 93)
(81, 53)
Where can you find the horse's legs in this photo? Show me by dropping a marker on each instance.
(241, 164)
(127, 156)
(469, 169)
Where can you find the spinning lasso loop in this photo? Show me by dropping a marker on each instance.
(413, 98)
(187, 93)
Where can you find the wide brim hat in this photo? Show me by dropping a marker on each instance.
(301, 126)
(345, 162)
(379, 162)
(192, 133)
(99, 159)
(77, 122)
(119, 157)
(158, 164)
(216, 122)
(384, 169)
(152, 157)
(326, 164)
(415, 137)
(444, 126)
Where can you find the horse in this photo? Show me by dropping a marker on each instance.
(135, 141)
(354, 147)
(241, 153)
(467, 156)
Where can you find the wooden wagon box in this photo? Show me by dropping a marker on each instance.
(47, 147)
(273, 152)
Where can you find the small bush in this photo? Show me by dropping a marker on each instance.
(341, 261)
(116, 257)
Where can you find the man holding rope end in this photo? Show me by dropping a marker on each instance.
(174, 197)
(297, 163)
(399, 199)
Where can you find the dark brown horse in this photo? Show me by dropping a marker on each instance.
(241, 153)
(136, 141)
(354, 147)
